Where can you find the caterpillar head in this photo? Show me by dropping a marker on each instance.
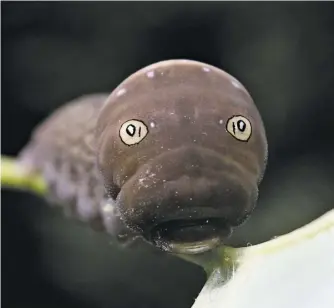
(182, 149)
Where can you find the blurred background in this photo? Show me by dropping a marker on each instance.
(54, 52)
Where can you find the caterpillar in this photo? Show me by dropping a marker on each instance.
(174, 156)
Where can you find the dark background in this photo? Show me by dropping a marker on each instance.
(53, 52)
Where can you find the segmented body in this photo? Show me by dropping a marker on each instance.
(62, 148)
(197, 142)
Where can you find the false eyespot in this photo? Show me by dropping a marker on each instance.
(133, 131)
(239, 127)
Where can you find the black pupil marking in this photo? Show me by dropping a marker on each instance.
(131, 130)
(241, 125)
(139, 132)
(233, 127)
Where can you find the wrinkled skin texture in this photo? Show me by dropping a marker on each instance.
(188, 166)
(187, 180)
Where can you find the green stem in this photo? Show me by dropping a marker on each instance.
(14, 176)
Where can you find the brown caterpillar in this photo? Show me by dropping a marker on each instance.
(174, 155)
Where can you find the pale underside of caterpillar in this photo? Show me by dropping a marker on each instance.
(195, 139)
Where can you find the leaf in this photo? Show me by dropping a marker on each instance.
(294, 270)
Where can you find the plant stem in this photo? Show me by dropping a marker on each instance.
(15, 176)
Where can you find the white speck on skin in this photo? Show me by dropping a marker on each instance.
(205, 69)
(150, 74)
(121, 92)
(236, 84)
(152, 124)
(221, 121)
(108, 206)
